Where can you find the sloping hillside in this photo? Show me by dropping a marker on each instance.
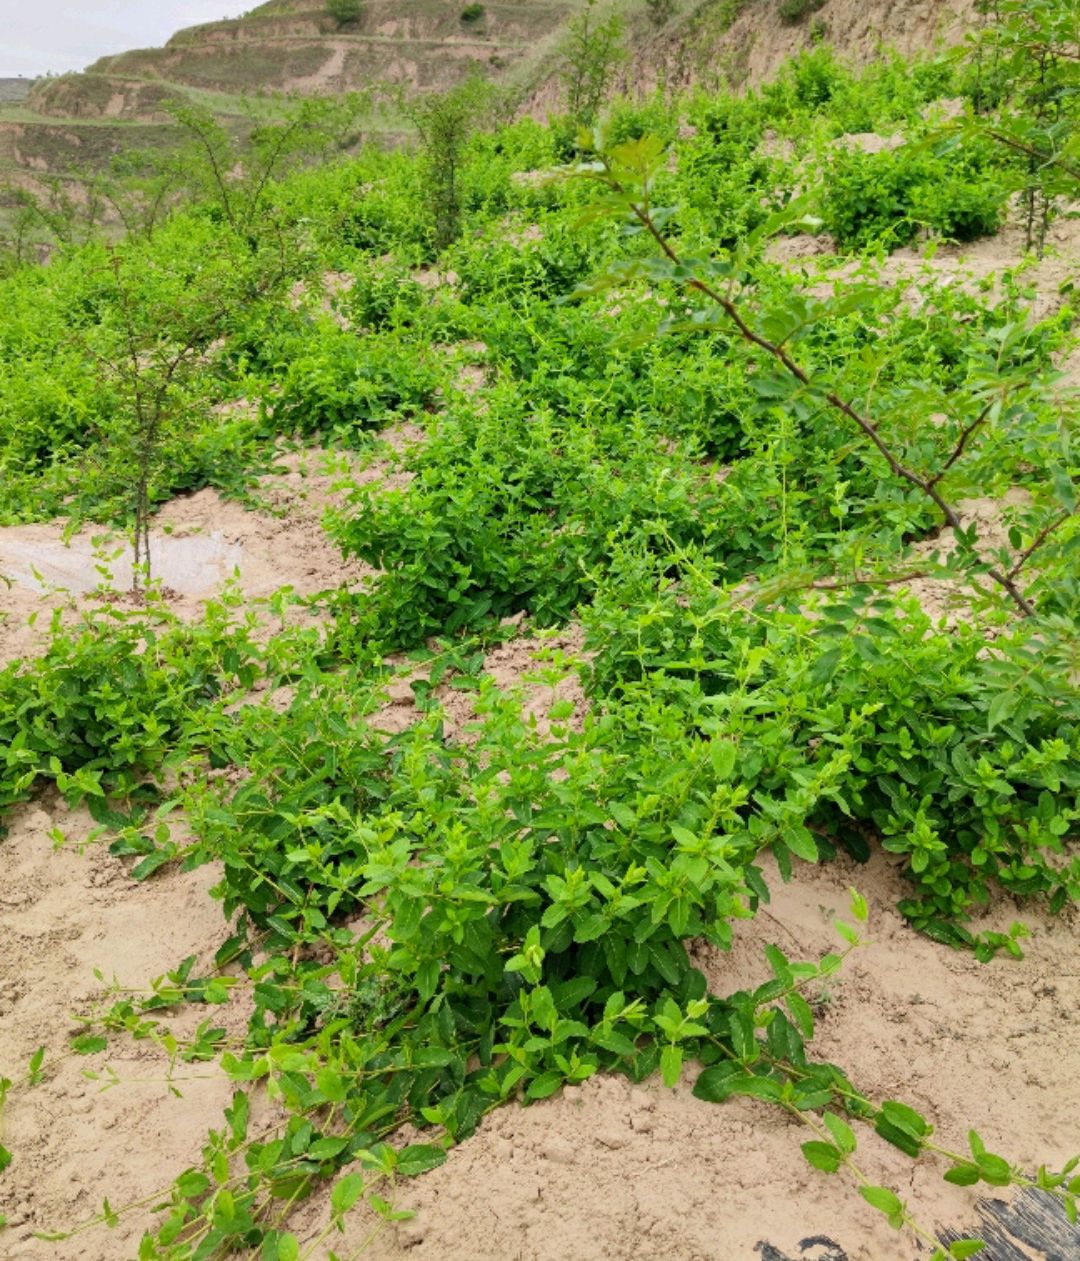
(296, 46)
(285, 46)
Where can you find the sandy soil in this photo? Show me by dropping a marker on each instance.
(948, 598)
(541, 669)
(199, 544)
(64, 912)
(971, 265)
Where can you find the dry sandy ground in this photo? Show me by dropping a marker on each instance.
(199, 544)
(63, 913)
(539, 668)
(970, 265)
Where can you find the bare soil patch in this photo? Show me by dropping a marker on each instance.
(65, 911)
(199, 545)
(540, 669)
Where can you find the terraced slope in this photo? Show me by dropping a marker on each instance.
(295, 46)
(298, 47)
(14, 90)
(285, 46)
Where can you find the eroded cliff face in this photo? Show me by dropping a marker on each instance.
(735, 43)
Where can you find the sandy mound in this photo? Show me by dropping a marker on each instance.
(200, 543)
(615, 1172)
(976, 266)
(64, 913)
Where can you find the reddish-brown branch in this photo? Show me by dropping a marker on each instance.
(958, 450)
(928, 486)
(1038, 541)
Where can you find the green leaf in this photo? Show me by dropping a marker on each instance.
(841, 1132)
(961, 1249)
(1001, 709)
(777, 960)
(331, 1085)
(671, 1062)
(1064, 489)
(326, 1148)
(801, 1013)
(801, 844)
(614, 1041)
(419, 1158)
(823, 1156)
(150, 864)
(88, 1045)
(886, 1201)
(825, 666)
(347, 1190)
(846, 931)
(906, 1118)
(994, 1169)
(756, 1087)
(662, 962)
(723, 755)
(544, 1085)
(858, 906)
(962, 1175)
(742, 1035)
(432, 1057)
(5, 1158)
(614, 1005)
(192, 1184)
(714, 1084)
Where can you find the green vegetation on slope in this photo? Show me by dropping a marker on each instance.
(699, 453)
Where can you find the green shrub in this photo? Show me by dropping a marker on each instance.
(872, 198)
(341, 386)
(345, 11)
(472, 13)
(792, 11)
(868, 197)
(103, 705)
(965, 765)
(959, 208)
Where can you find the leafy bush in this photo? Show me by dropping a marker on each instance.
(792, 11)
(964, 764)
(885, 197)
(345, 11)
(107, 701)
(472, 13)
(338, 385)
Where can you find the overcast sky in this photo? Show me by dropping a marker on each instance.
(37, 36)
